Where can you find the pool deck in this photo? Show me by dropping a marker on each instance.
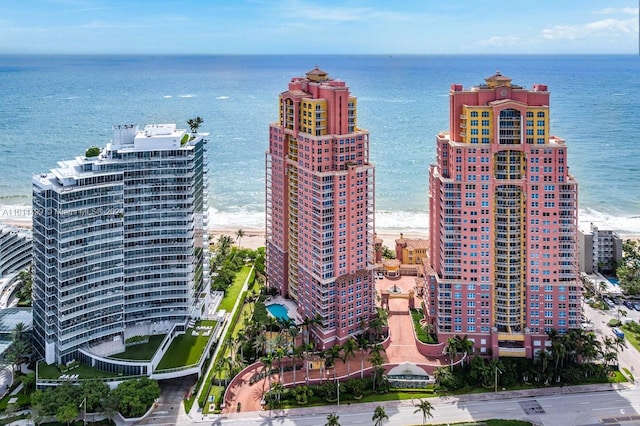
(290, 305)
(611, 288)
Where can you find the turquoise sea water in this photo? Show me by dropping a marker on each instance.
(54, 107)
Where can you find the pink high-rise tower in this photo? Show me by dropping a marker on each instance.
(320, 207)
(502, 223)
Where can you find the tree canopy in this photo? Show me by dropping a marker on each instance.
(629, 270)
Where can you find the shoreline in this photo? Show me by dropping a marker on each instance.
(255, 237)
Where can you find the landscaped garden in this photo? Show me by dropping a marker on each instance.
(186, 349)
(141, 351)
(424, 330)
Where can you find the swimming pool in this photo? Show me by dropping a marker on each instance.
(278, 311)
(613, 281)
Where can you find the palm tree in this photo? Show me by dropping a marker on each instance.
(307, 349)
(425, 407)
(279, 355)
(332, 420)
(267, 363)
(217, 369)
(293, 333)
(194, 124)
(466, 347)
(376, 361)
(379, 415)
(306, 323)
(239, 235)
(277, 390)
(348, 351)
(363, 345)
(260, 343)
(452, 349)
(331, 355)
(442, 375)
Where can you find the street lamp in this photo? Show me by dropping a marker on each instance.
(496, 378)
(338, 394)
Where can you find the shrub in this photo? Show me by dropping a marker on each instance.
(614, 322)
(94, 151)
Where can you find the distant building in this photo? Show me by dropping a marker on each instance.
(599, 250)
(411, 251)
(503, 223)
(320, 207)
(15, 249)
(120, 244)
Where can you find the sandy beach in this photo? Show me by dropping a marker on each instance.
(254, 237)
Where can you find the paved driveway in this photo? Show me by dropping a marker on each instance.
(629, 357)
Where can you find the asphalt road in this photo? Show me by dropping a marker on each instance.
(584, 409)
(629, 357)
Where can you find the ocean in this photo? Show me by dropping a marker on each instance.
(54, 107)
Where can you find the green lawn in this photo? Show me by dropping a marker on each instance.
(185, 349)
(234, 290)
(631, 337)
(143, 351)
(84, 371)
(217, 392)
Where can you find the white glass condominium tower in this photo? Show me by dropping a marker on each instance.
(120, 241)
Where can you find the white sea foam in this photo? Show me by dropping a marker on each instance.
(386, 221)
(187, 96)
(624, 225)
(167, 96)
(222, 97)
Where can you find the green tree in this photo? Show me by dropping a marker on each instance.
(348, 351)
(363, 345)
(95, 391)
(379, 416)
(67, 413)
(387, 253)
(276, 390)
(628, 271)
(109, 406)
(425, 407)
(332, 420)
(26, 285)
(135, 397)
(330, 357)
(376, 361)
(195, 123)
(239, 235)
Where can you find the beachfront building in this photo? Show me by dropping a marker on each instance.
(320, 207)
(503, 222)
(119, 244)
(411, 251)
(15, 250)
(600, 250)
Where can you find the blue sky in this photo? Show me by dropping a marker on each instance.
(313, 27)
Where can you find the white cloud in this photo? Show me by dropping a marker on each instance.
(603, 27)
(500, 41)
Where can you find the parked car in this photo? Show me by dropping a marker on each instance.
(380, 276)
(636, 306)
(619, 333)
(628, 304)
